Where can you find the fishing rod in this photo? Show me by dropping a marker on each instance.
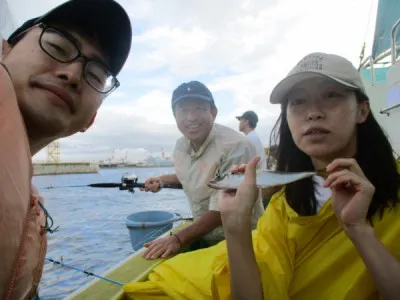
(62, 264)
(128, 182)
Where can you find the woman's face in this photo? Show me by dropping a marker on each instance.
(322, 116)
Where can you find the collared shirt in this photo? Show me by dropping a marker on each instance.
(223, 148)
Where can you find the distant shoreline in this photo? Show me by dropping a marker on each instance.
(133, 166)
(83, 168)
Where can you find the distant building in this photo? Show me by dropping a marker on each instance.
(129, 158)
(157, 161)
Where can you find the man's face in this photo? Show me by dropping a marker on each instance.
(195, 119)
(54, 98)
(243, 124)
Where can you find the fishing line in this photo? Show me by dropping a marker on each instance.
(62, 264)
(148, 237)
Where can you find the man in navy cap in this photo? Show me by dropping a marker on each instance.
(204, 150)
(55, 71)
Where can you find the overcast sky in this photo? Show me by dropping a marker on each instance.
(239, 49)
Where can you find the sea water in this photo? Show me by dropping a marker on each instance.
(92, 234)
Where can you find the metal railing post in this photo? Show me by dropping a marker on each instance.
(393, 42)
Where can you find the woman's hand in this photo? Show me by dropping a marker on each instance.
(352, 192)
(237, 205)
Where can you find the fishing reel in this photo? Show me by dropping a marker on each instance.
(129, 182)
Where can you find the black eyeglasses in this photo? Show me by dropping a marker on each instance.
(64, 49)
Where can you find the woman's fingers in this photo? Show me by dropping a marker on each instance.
(345, 163)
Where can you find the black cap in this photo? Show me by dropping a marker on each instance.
(106, 18)
(250, 116)
(192, 90)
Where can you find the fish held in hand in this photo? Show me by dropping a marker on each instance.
(264, 179)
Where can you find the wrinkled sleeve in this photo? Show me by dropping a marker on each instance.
(241, 153)
(274, 254)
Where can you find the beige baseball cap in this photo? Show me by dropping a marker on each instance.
(319, 64)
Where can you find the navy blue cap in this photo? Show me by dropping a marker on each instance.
(106, 18)
(192, 90)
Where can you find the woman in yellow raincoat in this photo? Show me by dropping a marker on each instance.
(333, 236)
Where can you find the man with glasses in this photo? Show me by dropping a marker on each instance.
(55, 72)
(205, 150)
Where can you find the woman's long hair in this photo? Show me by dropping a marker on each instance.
(374, 155)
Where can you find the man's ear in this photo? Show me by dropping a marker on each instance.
(5, 48)
(90, 123)
(214, 111)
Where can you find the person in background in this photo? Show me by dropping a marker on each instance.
(55, 72)
(247, 124)
(205, 150)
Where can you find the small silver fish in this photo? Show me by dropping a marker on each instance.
(265, 178)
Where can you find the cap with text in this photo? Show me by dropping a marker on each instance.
(317, 64)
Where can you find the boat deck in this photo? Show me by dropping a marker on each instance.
(133, 269)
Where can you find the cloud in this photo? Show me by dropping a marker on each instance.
(240, 48)
(203, 41)
(115, 130)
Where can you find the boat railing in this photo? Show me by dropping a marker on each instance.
(386, 110)
(370, 61)
(393, 41)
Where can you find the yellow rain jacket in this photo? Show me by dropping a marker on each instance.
(299, 258)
